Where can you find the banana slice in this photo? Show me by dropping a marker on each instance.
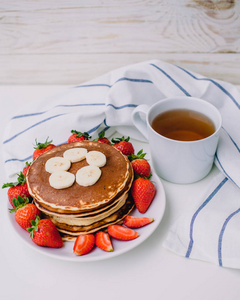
(75, 154)
(96, 158)
(61, 179)
(57, 164)
(88, 175)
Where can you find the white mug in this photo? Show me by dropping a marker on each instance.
(179, 161)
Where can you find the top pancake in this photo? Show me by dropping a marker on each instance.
(115, 175)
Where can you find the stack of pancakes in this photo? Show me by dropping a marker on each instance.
(78, 209)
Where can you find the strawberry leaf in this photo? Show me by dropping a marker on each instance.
(42, 145)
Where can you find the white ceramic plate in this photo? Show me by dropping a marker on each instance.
(156, 211)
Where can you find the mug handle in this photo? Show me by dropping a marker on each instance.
(139, 123)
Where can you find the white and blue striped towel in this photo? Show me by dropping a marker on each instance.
(211, 230)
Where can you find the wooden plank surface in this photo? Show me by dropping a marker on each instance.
(67, 42)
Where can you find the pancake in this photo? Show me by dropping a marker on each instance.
(78, 199)
(73, 230)
(83, 209)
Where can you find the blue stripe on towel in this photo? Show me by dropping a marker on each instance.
(169, 77)
(123, 106)
(221, 235)
(234, 143)
(34, 125)
(190, 246)
(92, 85)
(224, 171)
(215, 83)
(133, 80)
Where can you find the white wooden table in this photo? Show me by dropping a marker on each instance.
(148, 271)
(47, 45)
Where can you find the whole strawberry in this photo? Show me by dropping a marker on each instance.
(78, 136)
(40, 148)
(102, 139)
(25, 169)
(18, 188)
(141, 166)
(44, 233)
(25, 212)
(123, 145)
(143, 192)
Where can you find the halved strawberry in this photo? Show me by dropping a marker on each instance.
(103, 241)
(84, 244)
(136, 222)
(122, 233)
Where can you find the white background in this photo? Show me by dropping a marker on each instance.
(148, 271)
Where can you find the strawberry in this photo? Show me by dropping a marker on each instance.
(25, 169)
(78, 136)
(141, 166)
(25, 212)
(84, 244)
(40, 148)
(18, 188)
(102, 139)
(103, 241)
(123, 145)
(44, 233)
(136, 222)
(143, 192)
(122, 233)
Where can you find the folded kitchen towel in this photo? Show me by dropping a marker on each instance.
(208, 231)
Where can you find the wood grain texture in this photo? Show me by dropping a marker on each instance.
(67, 42)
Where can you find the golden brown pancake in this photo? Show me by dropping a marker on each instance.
(78, 209)
(78, 199)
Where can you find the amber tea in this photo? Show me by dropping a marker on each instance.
(183, 125)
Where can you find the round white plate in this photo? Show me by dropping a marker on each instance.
(156, 211)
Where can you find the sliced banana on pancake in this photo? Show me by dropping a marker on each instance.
(55, 164)
(88, 175)
(61, 179)
(96, 158)
(75, 154)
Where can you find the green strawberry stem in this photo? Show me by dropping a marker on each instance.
(139, 155)
(20, 180)
(18, 203)
(101, 135)
(79, 134)
(42, 145)
(117, 140)
(34, 227)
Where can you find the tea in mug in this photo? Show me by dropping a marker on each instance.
(183, 125)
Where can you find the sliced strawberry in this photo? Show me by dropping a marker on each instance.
(136, 222)
(103, 241)
(84, 244)
(122, 233)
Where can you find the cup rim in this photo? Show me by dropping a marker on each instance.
(186, 98)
